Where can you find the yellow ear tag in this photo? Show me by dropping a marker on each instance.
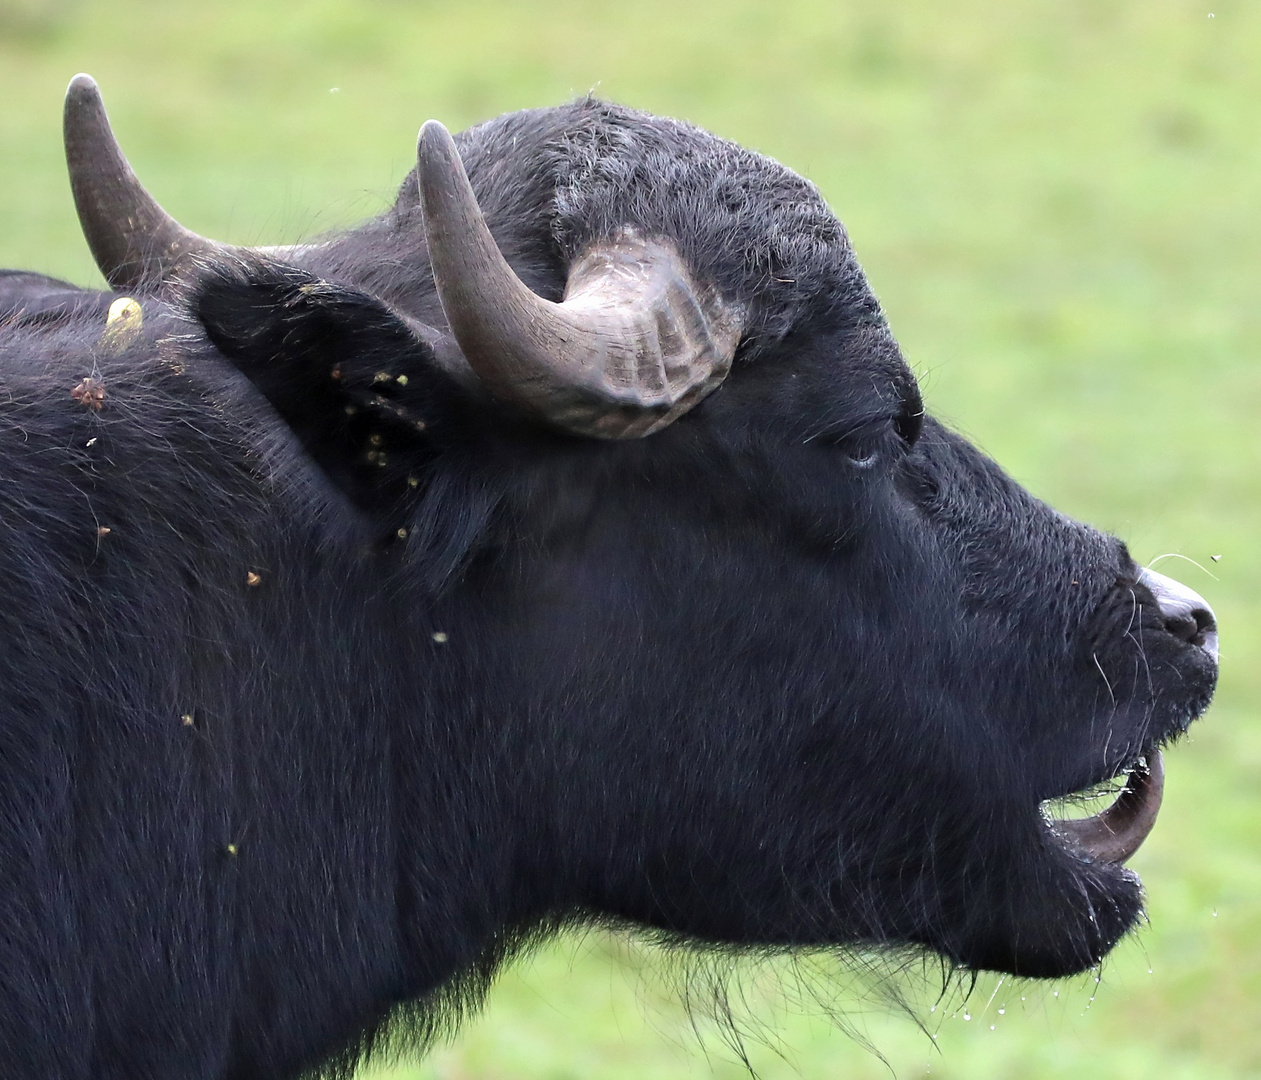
(123, 324)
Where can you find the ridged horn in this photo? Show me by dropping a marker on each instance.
(631, 347)
(133, 240)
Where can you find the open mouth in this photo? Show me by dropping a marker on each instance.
(1118, 831)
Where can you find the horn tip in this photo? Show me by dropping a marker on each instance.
(434, 140)
(83, 85)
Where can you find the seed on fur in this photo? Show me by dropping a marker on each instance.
(232, 849)
(122, 326)
(252, 579)
(440, 638)
(91, 441)
(374, 439)
(420, 425)
(351, 410)
(90, 392)
(382, 376)
(401, 380)
(187, 719)
(413, 482)
(103, 530)
(401, 534)
(336, 373)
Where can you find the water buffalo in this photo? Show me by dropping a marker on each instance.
(568, 544)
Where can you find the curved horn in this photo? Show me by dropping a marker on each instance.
(633, 345)
(133, 240)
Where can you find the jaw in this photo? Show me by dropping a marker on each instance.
(1061, 920)
(1076, 899)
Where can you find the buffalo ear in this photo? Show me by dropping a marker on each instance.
(356, 381)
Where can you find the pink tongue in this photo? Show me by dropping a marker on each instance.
(1115, 834)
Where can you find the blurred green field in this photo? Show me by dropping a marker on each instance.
(1057, 202)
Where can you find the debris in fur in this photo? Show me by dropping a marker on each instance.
(252, 579)
(90, 392)
(123, 324)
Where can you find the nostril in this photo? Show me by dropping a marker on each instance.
(1186, 614)
(1191, 626)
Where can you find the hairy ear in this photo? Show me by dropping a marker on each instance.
(34, 299)
(355, 380)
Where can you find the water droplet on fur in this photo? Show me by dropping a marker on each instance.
(967, 1016)
(1002, 1012)
(991, 1027)
(1055, 994)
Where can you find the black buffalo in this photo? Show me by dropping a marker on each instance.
(359, 627)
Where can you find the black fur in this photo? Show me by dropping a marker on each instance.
(327, 681)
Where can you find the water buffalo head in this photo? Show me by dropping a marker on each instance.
(710, 626)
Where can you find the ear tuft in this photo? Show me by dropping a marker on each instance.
(354, 379)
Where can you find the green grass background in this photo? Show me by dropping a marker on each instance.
(1057, 202)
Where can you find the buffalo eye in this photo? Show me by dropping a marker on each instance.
(865, 444)
(864, 459)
